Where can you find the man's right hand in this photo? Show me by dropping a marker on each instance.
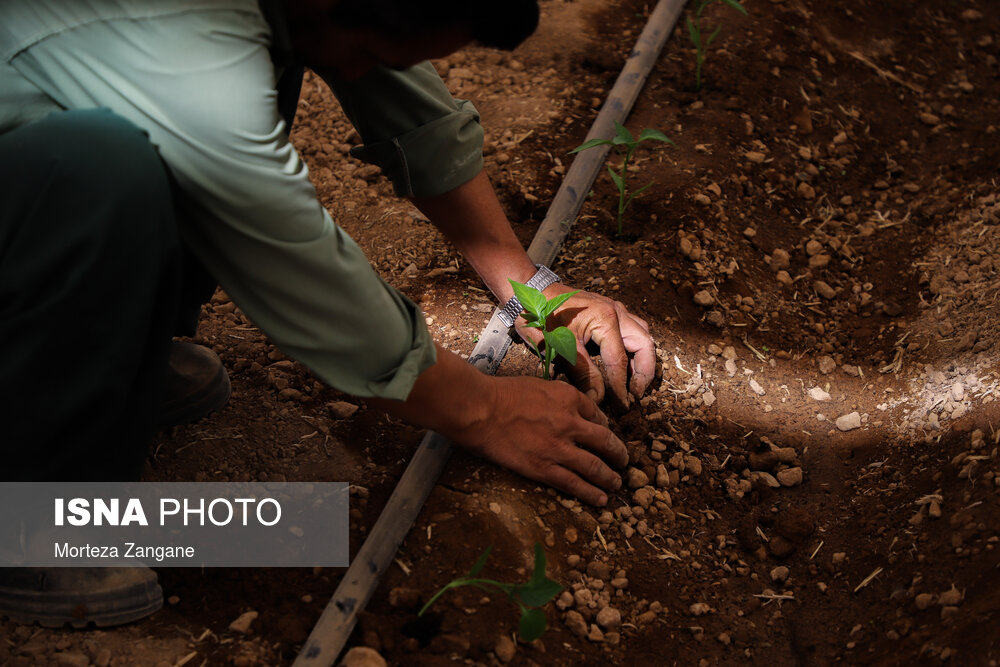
(551, 433)
(547, 431)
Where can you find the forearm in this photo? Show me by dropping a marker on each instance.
(471, 218)
(450, 397)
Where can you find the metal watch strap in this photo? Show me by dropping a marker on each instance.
(543, 278)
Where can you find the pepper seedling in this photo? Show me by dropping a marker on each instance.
(560, 340)
(694, 32)
(625, 143)
(529, 597)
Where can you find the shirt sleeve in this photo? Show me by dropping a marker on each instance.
(426, 142)
(201, 84)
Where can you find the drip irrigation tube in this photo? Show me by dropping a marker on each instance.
(331, 632)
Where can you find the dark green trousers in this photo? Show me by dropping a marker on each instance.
(90, 278)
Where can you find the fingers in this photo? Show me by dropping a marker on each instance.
(643, 362)
(602, 442)
(585, 375)
(572, 484)
(607, 334)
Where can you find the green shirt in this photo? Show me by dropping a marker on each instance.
(199, 76)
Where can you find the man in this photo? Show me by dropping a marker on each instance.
(127, 123)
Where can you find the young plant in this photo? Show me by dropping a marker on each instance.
(529, 596)
(694, 31)
(560, 340)
(625, 143)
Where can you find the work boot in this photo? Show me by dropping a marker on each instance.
(78, 596)
(196, 385)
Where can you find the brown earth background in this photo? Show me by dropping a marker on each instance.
(814, 474)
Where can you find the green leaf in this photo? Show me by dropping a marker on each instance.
(591, 144)
(737, 6)
(557, 301)
(695, 33)
(711, 38)
(655, 135)
(532, 624)
(622, 135)
(619, 183)
(480, 562)
(536, 595)
(531, 299)
(563, 342)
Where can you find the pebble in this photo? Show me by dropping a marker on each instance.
(757, 389)
(765, 477)
(818, 394)
(363, 656)
(505, 649)
(575, 623)
(636, 478)
(849, 422)
(609, 618)
(824, 290)
(790, 476)
(595, 634)
(341, 409)
(951, 597)
(71, 660)
(242, 624)
(779, 259)
(730, 367)
(644, 497)
(929, 119)
(704, 298)
(923, 601)
(708, 398)
(779, 574)
(827, 365)
(755, 156)
(699, 609)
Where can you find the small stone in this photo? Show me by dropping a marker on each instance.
(363, 656)
(958, 391)
(173, 600)
(71, 659)
(699, 609)
(806, 191)
(784, 278)
(813, 247)
(636, 478)
(756, 388)
(827, 365)
(505, 649)
(849, 422)
(779, 574)
(923, 601)
(103, 658)
(780, 259)
(824, 290)
(951, 597)
(242, 624)
(790, 476)
(730, 367)
(818, 394)
(609, 618)
(595, 634)
(838, 558)
(644, 497)
(929, 119)
(704, 298)
(341, 409)
(755, 156)
(708, 398)
(766, 478)
(575, 623)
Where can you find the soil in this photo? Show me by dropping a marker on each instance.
(814, 473)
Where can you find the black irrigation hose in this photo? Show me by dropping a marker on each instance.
(334, 627)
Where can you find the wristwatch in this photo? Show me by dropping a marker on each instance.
(543, 278)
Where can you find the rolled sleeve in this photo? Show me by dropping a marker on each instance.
(425, 141)
(201, 84)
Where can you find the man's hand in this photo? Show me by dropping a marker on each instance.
(547, 431)
(551, 433)
(626, 347)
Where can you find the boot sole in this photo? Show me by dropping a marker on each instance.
(30, 609)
